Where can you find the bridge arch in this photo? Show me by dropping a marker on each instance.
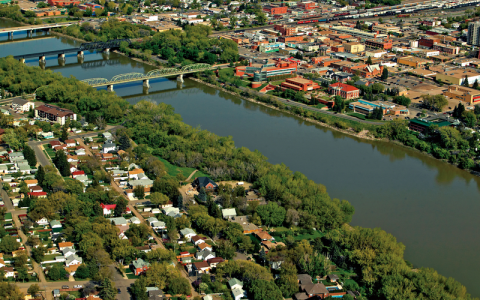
(127, 77)
(95, 81)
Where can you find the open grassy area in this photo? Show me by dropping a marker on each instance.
(173, 170)
(261, 87)
(229, 72)
(132, 276)
(357, 115)
(320, 106)
(50, 257)
(50, 152)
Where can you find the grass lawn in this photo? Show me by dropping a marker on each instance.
(173, 170)
(301, 237)
(75, 294)
(229, 72)
(254, 239)
(50, 152)
(320, 105)
(132, 276)
(357, 115)
(50, 257)
(278, 82)
(128, 271)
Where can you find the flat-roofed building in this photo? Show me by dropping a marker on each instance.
(354, 47)
(446, 48)
(299, 84)
(380, 43)
(385, 28)
(462, 93)
(458, 76)
(413, 61)
(54, 113)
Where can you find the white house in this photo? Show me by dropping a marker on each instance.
(229, 213)
(159, 225)
(9, 272)
(42, 222)
(107, 147)
(135, 220)
(238, 293)
(205, 254)
(55, 224)
(22, 105)
(73, 260)
(188, 233)
(67, 252)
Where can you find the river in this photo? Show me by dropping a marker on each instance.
(430, 206)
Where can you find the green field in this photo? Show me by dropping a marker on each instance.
(173, 170)
(357, 115)
(229, 72)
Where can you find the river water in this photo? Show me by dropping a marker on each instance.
(430, 206)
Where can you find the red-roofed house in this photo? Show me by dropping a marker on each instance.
(343, 90)
(38, 194)
(54, 143)
(77, 173)
(71, 143)
(54, 113)
(108, 208)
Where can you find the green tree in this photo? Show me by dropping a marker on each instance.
(82, 272)
(339, 104)
(271, 214)
(64, 135)
(475, 84)
(62, 164)
(139, 289)
(369, 61)
(139, 191)
(402, 100)
(385, 73)
(225, 249)
(261, 18)
(38, 254)
(8, 244)
(158, 198)
(287, 281)
(29, 155)
(470, 118)
(33, 289)
(264, 290)
(124, 142)
(108, 290)
(57, 272)
(465, 81)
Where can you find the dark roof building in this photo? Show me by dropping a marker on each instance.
(205, 182)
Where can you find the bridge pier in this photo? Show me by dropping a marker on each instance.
(61, 61)
(80, 59)
(146, 83)
(42, 65)
(179, 84)
(30, 33)
(61, 56)
(22, 60)
(180, 78)
(41, 59)
(145, 90)
(10, 35)
(110, 88)
(80, 54)
(107, 50)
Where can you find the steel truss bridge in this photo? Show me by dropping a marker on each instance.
(83, 47)
(132, 77)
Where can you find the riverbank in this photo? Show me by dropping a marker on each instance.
(364, 134)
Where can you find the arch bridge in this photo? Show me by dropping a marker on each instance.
(158, 73)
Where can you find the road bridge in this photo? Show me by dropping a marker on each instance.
(132, 77)
(106, 46)
(29, 29)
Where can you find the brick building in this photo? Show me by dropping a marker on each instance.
(307, 5)
(275, 9)
(300, 84)
(380, 43)
(286, 29)
(343, 90)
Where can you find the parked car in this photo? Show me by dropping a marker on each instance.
(65, 287)
(78, 286)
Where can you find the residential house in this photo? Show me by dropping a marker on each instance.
(196, 239)
(65, 245)
(201, 267)
(118, 221)
(205, 255)
(78, 173)
(304, 279)
(333, 277)
(31, 182)
(204, 182)
(187, 233)
(234, 283)
(107, 147)
(55, 224)
(71, 143)
(73, 260)
(229, 213)
(264, 236)
(54, 114)
(155, 294)
(22, 105)
(134, 220)
(238, 293)
(72, 269)
(248, 228)
(213, 262)
(8, 272)
(203, 246)
(136, 174)
(108, 208)
(68, 252)
(37, 194)
(312, 289)
(107, 135)
(140, 266)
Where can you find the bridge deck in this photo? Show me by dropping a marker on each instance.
(33, 27)
(47, 53)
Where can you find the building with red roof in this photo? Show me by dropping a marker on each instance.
(108, 208)
(343, 90)
(55, 114)
(77, 173)
(38, 194)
